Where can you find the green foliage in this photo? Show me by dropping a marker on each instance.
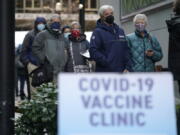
(178, 118)
(178, 110)
(39, 115)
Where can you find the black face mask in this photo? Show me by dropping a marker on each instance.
(109, 19)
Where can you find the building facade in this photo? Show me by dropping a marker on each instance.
(49, 6)
(28, 10)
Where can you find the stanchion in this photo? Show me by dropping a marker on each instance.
(82, 14)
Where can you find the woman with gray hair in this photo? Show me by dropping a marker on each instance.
(145, 49)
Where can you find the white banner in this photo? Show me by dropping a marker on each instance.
(116, 104)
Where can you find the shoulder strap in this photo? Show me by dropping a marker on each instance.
(72, 55)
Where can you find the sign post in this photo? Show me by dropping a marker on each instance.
(7, 15)
(114, 104)
(82, 14)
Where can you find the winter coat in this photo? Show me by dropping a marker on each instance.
(109, 48)
(26, 55)
(53, 46)
(20, 67)
(174, 46)
(138, 46)
(77, 47)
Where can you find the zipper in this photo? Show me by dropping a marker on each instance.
(144, 55)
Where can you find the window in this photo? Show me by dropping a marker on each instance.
(28, 3)
(46, 4)
(129, 6)
(91, 4)
(37, 3)
(19, 3)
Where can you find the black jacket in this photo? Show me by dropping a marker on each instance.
(26, 55)
(77, 46)
(174, 46)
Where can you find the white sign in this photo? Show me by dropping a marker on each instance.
(116, 104)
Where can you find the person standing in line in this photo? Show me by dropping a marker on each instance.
(145, 49)
(51, 45)
(20, 73)
(174, 42)
(108, 45)
(78, 47)
(66, 30)
(27, 57)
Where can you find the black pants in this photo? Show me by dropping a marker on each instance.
(22, 79)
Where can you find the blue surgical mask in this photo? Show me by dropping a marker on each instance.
(66, 35)
(55, 26)
(40, 27)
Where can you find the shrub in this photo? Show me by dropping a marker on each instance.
(178, 118)
(39, 115)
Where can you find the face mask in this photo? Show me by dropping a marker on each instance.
(109, 19)
(66, 35)
(75, 33)
(40, 27)
(140, 27)
(55, 26)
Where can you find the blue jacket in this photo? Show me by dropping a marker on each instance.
(109, 48)
(26, 55)
(138, 45)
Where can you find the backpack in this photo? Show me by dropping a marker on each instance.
(43, 74)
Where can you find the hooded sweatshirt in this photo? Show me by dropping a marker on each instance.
(109, 48)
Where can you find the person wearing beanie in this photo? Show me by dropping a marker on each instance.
(78, 47)
(66, 30)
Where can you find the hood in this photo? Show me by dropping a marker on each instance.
(171, 24)
(100, 24)
(39, 20)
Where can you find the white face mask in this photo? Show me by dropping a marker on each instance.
(40, 27)
(66, 35)
(140, 27)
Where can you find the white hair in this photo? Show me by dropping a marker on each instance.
(75, 23)
(103, 8)
(141, 17)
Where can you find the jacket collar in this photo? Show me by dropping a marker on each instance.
(54, 33)
(113, 29)
(146, 34)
